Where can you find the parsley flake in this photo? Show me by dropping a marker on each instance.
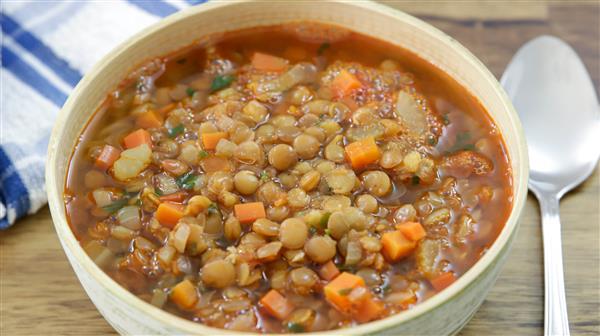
(203, 154)
(295, 327)
(190, 91)
(116, 205)
(446, 119)
(264, 176)
(221, 82)
(213, 208)
(324, 219)
(187, 181)
(415, 180)
(175, 131)
(347, 268)
(461, 143)
(323, 47)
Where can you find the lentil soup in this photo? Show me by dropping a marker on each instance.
(291, 178)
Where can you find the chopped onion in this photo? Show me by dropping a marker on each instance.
(300, 73)
(166, 254)
(102, 197)
(121, 232)
(132, 162)
(129, 217)
(166, 184)
(143, 244)
(180, 237)
(183, 264)
(353, 253)
(411, 113)
(99, 254)
(159, 298)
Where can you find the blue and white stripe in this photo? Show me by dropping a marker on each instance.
(45, 49)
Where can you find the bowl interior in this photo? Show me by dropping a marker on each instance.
(368, 18)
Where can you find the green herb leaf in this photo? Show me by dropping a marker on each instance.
(203, 154)
(323, 47)
(175, 131)
(463, 136)
(264, 176)
(385, 288)
(445, 119)
(187, 181)
(470, 147)
(139, 86)
(116, 205)
(312, 230)
(327, 232)
(295, 327)
(415, 180)
(221, 82)
(158, 192)
(190, 91)
(461, 143)
(347, 268)
(213, 208)
(324, 219)
(222, 242)
(344, 291)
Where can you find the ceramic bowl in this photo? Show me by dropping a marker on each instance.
(444, 313)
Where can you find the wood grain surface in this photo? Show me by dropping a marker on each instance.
(40, 295)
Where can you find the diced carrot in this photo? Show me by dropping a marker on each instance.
(351, 103)
(213, 164)
(149, 119)
(276, 304)
(295, 53)
(405, 298)
(344, 83)
(369, 310)
(210, 140)
(249, 212)
(168, 214)
(396, 246)
(137, 138)
(442, 281)
(107, 157)
(165, 109)
(329, 271)
(412, 230)
(363, 152)
(336, 292)
(176, 197)
(266, 62)
(184, 294)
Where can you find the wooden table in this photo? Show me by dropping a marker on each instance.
(40, 294)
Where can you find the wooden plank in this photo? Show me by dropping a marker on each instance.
(40, 294)
(474, 10)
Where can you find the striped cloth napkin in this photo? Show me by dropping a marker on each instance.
(46, 47)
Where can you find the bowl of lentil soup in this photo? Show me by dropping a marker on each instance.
(284, 168)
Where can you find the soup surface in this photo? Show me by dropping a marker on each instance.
(288, 179)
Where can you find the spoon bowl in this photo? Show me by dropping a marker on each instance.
(557, 103)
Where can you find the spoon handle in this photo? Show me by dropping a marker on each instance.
(555, 313)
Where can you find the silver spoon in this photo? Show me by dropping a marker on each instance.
(557, 104)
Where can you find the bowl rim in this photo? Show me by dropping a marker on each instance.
(71, 244)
